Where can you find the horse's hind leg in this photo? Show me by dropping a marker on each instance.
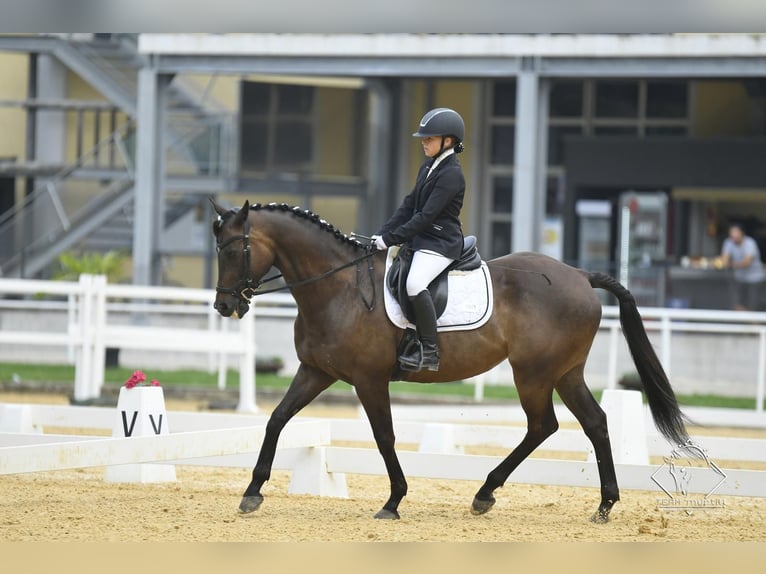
(537, 402)
(306, 385)
(578, 398)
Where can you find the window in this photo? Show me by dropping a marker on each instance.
(657, 108)
(616, 99)
(504, 99)
(498, 197)
(502, 144)
(619, 107)
(666, 130)
(556, 135)
(502, 195)
(667, 99)
(615, 130)
(566, 99)
(277, 127)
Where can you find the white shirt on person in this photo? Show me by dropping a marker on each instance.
(438, 160)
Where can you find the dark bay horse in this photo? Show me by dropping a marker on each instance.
(545, 317)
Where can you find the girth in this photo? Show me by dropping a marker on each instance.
(400, 268)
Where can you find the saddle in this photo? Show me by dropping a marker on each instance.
(396, 280)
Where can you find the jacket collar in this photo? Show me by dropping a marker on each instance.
(439, 159)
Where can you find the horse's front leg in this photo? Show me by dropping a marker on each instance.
(374, 396)
(306, 385)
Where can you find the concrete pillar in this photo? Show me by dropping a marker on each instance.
(377, 208)
(150, 173)
(50, 129)
(530, 158)
(49, 138)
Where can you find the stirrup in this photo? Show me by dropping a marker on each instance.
(412, 361)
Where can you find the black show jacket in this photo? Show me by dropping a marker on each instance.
(429, 217)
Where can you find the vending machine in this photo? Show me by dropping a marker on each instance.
(642, 247)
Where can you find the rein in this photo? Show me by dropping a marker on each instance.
(245, 289)
(324, 275)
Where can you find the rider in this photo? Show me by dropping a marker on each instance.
(428, 221)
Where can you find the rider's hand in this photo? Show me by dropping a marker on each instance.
(379, 243)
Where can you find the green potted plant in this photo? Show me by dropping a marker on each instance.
(71, 265)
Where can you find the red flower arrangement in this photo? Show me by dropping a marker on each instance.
(138, 379)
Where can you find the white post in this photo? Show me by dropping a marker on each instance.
(18, 419)
(72, 324)
(247, 364)
(310, 476)
(439, 438)
(625, 421)
(478, 387)
(211, 317)
(611, 375)
(99, 327)
(665, 327)
(84, 365)
(759, 390)
(223, 362)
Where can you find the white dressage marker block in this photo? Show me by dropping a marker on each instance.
(140, 412)
(625, 420)
(439, 438)
(17, 419)
(310, 476)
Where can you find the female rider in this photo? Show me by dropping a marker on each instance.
(428, 221)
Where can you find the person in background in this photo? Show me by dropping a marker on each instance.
(741, 254)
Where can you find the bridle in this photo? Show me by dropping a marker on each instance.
(245, 289)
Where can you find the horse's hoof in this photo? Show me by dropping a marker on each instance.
(600, 517)
(384, 514)
(250, 504)
(480, 506)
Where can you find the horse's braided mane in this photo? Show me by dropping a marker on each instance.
(313, 218)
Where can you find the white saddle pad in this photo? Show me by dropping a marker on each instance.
(469, 303)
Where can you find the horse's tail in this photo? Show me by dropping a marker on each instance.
(662, 400)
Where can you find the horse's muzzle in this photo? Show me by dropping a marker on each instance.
(239, 309)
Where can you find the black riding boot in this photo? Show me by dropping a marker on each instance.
(426, 355)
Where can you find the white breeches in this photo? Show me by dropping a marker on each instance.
(426, 266)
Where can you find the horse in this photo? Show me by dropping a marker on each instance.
(545, 317)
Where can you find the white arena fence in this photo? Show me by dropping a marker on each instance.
(318, 467)
(91, 304)
(91, 328)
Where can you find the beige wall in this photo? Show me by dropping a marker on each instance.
(13, 86)
(720, 109)
(335, 137)
(13, 120)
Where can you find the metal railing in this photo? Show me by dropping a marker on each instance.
(51, 210)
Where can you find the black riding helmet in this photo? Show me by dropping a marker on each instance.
(442, 122)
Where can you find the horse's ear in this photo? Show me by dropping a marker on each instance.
(242, 214)
(218, 209)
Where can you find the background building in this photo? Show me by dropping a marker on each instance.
(628, 153)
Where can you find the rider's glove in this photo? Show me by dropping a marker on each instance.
(379, 243)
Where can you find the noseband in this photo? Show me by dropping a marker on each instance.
(244, 289)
